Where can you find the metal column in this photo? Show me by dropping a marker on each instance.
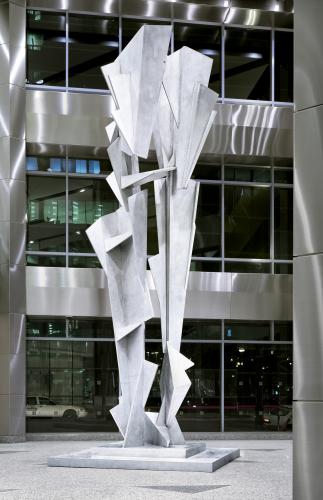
(308, 252)
(12, 220)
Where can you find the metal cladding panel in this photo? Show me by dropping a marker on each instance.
(308, 450)
(83, 292)
(308, 88)
(83, 6)
(12, 338)
(308, 181)
(80, 119)
(308, 328)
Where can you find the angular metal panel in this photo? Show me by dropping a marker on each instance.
(12, 338)
(308, 450)
(308, 181)
(12, 158)
(12, 373)
(308, 328)
(308, 63)
(12, 201)
(12, 103)
(17, 424)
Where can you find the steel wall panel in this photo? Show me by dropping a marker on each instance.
(80, 119)
(83, 292)
(308, 181)
(308, 88)
(308, 328)
(308, 450)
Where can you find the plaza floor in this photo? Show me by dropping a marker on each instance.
(263, 472)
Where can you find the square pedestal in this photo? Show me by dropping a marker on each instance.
(189, 457)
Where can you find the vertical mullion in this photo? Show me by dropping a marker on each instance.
(272, 79)
(272, 219)
(222, 377)
(120, 32)
(66, 208)
(66, 49)
(222, 215)
(222, 62)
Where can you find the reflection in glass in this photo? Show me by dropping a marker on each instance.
(239, 330)
(207, 241)
(88, 200)
(283, 330)
(201, 407)
(206, 266)
(284, 66)
(247, 64)
(76, 375)
(46, 213)
(201, 330)
(206, 171)
(257, 387)
(87, 328)
(46, 260)
(284, 268)
(38, 327)
(45, 164)
(283, 223)
(92, 166)
(204, 39)
(247, 267)
(46, 42)
(93, 42)
(284, 176)
(82, 261)
(247, 222)
(247, 174)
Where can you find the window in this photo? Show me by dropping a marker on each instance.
(284, 54)
(88, 200)
(207, 241)
(46, 48)
(283, 223)
(204, 39)
(93, 42)
(46, 228)
(258, 380)
(247, 64)
(247, 222)
(73, 374)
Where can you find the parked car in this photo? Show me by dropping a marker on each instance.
(279, 418)
(38, 406)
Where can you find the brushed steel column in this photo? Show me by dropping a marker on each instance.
(12, 220)
(308, 252)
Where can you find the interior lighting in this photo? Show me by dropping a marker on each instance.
(242, 349)
(82, 190)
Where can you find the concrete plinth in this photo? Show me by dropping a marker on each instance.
(192, 457)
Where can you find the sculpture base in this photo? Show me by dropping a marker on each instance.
(190, 457)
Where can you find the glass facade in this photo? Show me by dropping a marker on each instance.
(243, 224)
(242, 373)
(72, 362)
(68, 50)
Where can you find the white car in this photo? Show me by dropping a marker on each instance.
(279, 418)
(38, 406)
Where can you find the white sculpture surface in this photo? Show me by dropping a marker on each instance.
(164, 98)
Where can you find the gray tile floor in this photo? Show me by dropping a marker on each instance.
(263, 472)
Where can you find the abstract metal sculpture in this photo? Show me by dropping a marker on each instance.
(164, 98)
